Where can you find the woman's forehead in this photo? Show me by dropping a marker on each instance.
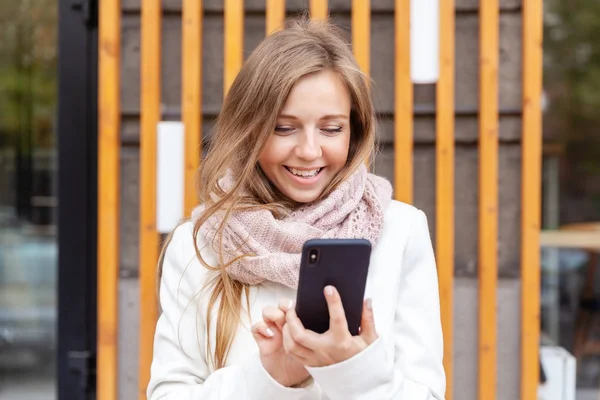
(323, 93)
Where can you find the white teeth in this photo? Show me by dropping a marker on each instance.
(305, 173)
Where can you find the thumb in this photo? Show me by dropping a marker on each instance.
(367, 323)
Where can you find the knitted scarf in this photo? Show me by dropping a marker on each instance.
(268, 249)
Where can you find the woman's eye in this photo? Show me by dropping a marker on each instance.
(332, 130)
(284, 129)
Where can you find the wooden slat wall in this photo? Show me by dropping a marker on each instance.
(109, 173)
(191, 96)
(109, 134)
(318, 9)
(150, 99)
(234, 40)
(275, 15)
(488, 196)
(403, 107)
(531, 196)
(445, 185)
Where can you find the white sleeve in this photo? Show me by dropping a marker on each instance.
(179, 368)
(407, 366)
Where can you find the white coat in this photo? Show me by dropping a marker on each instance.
(404, 363)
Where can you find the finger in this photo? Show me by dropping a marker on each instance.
(274, 315)
(301, 335)
(337, 317)
(285, 305)
(367, 323)
(261, 330)
(294, 348)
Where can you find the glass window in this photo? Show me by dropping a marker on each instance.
(28, 204)
(571, 187)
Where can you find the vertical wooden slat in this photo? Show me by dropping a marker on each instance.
(109, 117)
(234, 40)
(191, 96)
(488, 196)
(318, 9)
(403, 107)
(361, 39)
(361, 34)
(531, 196)
(445, 184)
(275, 15)
(150, 96)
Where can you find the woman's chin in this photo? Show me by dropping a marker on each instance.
(302, 196)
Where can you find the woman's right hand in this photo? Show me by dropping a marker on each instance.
(268, 335)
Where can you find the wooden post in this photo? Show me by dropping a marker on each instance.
(531, 196)
(318, 9)
(403, 109)
(275, 15)
(191, 96)
(445, 184)
(150, 96)
(488, 197)
(109, 127)
(234, 40)
(361, 34)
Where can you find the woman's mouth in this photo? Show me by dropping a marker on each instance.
(304, 173)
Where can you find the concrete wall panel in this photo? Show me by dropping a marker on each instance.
(129, 310)
(130, 192)
(466, 339)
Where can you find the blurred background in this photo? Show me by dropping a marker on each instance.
(571, 200)
(29, 259)
(28, 201)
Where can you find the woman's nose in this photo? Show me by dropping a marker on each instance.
(308, 147)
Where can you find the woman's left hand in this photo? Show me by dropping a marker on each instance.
(335, 345)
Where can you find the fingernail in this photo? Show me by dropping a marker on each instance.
(329, 290)
(270, 332)
(369, 304)
(290, 304)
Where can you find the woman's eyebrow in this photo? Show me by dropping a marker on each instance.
(336, 116)
(287, 116)
(325, 117)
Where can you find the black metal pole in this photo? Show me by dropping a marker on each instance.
(77, 192)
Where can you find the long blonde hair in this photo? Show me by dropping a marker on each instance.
(248, 116)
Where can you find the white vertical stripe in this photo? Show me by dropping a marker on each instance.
(424, 40)
(169, 175)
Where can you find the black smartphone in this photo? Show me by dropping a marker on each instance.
(342, 263)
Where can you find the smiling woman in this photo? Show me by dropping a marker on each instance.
(310, 144)
(286, 165)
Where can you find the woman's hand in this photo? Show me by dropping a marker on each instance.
(335, 345)
(284, 368)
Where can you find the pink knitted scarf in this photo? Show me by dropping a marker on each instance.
(271, 247)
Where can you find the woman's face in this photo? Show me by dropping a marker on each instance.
(311, 139)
